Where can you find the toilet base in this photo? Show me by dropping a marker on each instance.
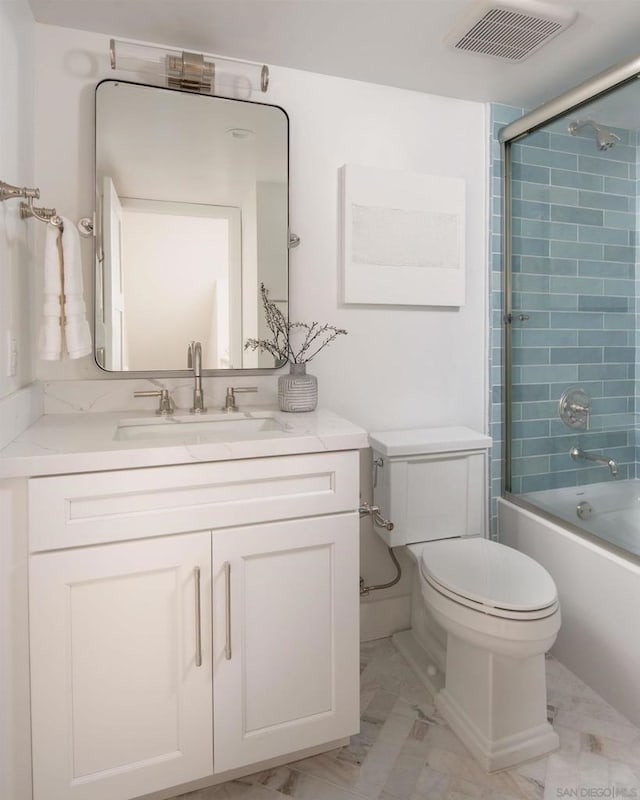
(504, 722)
(496, 754)
(496, 704)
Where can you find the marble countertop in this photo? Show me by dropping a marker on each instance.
(85, 442)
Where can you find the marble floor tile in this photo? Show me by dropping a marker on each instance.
(332, 767)
(289, 782)
(406, 751)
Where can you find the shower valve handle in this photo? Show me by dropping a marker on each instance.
(574, 408)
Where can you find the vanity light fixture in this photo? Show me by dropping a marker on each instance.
(195, 72)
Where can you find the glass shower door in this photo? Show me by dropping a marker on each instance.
(571, 310)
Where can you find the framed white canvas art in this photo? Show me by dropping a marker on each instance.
(402, 238)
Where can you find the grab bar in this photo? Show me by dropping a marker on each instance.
(576, 453)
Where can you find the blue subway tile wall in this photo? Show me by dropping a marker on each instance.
(631, 221)
(574, 219)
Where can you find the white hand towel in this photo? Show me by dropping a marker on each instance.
(50, 338)
(76, 330)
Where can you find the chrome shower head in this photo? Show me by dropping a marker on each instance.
(605, 139)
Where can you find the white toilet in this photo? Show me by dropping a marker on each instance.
(483, 615)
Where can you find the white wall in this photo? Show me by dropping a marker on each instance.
(16, 167)
(398, 367)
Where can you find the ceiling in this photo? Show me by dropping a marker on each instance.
(393, 42)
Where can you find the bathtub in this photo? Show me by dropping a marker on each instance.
(598, 585)
(609, 511)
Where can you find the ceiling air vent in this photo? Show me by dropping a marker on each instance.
(511, 31)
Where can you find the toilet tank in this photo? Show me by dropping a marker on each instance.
(431, 483)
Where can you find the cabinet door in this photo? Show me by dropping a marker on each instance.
(120, 705)
(286, 654)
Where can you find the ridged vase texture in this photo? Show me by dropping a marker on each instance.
(297, 391)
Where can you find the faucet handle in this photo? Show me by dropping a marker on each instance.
(230, 399)
(166, 404)
(239, 389)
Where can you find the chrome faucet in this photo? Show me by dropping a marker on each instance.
(194, 362)
(576, 453)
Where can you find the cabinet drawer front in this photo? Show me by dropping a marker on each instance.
(74, 510)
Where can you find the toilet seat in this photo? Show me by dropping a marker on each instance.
(489, 577)
(492, 611)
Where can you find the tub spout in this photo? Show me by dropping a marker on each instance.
(576, 454)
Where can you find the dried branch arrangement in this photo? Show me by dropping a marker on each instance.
(295, 342)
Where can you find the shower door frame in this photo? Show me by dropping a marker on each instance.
(585, 92)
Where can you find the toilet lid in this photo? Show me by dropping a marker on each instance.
(488, 573)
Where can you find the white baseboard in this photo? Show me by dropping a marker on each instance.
(382, 618)
(421, 661)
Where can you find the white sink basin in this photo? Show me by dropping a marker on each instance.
(205, 428)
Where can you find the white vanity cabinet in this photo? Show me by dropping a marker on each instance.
(190, 620)
(285, 637)
(119, 705)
